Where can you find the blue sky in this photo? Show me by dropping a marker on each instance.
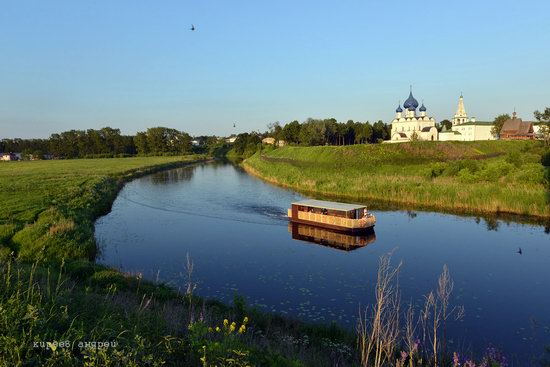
(135, 64)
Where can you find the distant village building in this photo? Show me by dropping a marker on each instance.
(465, 128)
(272, 141)
(516, 129)
(537, 129)
(9, 157)
(231, 139)
(408, 126)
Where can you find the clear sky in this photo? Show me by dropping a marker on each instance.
(133, 64)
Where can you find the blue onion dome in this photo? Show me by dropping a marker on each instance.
(422, 108)
(411, 103)
(399, 109)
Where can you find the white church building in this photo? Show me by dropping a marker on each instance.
(408, 125)
(465, 128)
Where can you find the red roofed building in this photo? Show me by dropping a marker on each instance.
(516, 129)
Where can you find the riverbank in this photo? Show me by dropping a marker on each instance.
(489, 177)
(52, 292)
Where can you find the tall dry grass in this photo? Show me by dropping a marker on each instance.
(390, 336)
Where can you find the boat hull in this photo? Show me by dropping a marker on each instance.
(332, 226)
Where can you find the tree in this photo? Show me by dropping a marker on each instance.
(363, 132)
(291, 132)
(380, 131)
(341, 133)
(497, 124)
(331, 131)
(140, 140)
(350, 132)
(246, 144)
(446, 124)
(97, 141)
(312, 132)
(544, 123)
(275, 130)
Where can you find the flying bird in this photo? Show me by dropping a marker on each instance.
(520, 252)
(234, 125)
(192, 27)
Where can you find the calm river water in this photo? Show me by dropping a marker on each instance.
(234, 228)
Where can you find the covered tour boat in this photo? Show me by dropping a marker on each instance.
(338, 216)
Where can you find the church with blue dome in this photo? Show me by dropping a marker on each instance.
(408, 125)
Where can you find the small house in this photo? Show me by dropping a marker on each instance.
(270, 141)
(516, 129)
(8, 156)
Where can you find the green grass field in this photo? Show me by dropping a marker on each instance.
(29, 187)
(474, 177)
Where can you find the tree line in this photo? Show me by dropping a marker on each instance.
(109, 142)
(329, 132)
(105, 142)
(312, 132)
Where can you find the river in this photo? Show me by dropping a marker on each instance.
(234, 228)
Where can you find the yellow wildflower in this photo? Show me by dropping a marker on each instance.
(218, 329)
(232, 328)
(242, 329)
(245, 320)
(225, 322)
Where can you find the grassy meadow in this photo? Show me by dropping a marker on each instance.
(473, 177)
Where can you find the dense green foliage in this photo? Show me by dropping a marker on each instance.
(245, 145)
(498, 122)
(544, 124)
(162, 140)
(212, 146)
(330, 132)
(104, 143)
(445, 124)
(312, 132)
(477, 177)
(74, 144)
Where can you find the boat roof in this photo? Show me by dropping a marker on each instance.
(329, 205)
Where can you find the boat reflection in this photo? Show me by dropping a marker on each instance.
(330, 238)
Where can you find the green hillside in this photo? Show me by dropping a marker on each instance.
(476, 177)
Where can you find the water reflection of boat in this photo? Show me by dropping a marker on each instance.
(330, 238)
(351, 218)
